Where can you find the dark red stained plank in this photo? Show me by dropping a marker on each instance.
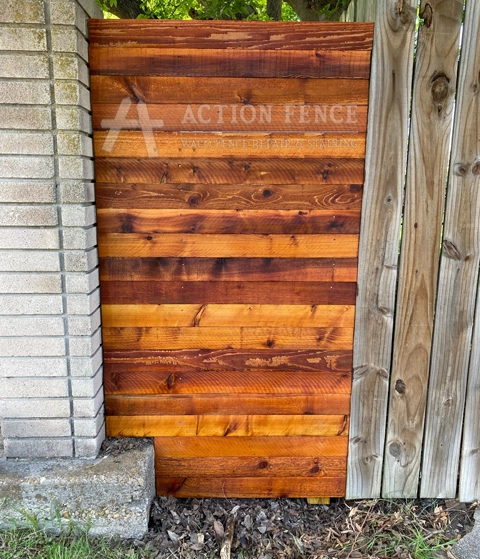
(229, 269)
(293, 293)
(181, 361)
(135, 381)
(229, 170)
(230, 35)
(298, 197)
(241, 404)
(241, 63)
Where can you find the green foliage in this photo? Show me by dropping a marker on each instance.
(332, 9)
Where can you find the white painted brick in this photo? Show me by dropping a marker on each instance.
(22, 65)
(70, 67)
(75, 168)
(33, 388)
(22, 38)
(38, 448)
(24, 192)
(83, 261)
(69, 39)
(25, 92)
(78, 216)
(86, 366)
(83, 304)
(22, 11)
(30, 283)
(31, 304)
(74, 143)
(76, 192)
(73, 118)
(37, 428)
(68, 13)
(89, 448)
(89, 427)
(87, 387)
(85, 346)
(31, 326)
(42, 407)
(88, 407)
(75, 238)
(26, 143)
(25, 118)
(29, 238)
(32, 347)
(32, 216)
(84, 325)
(33, 367)
(26, 167)
(82, 283)
(29, 261)
(72, 92)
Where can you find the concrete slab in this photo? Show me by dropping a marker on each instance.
(110, 495)
(469, 546)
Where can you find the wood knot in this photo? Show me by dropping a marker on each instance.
(170, 382)
(400, 386)
(427, 15)
(193, 201)
(263, 465)
(450, 250)
(460, 169)
(395, 450)
(440, 88)
(267, 193)
(315, 469)
(476, 167)
(270, 343)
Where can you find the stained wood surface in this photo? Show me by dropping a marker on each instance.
(241, 63)
(184, 90)
(231, 35)
(457, 292)
(387, 134)
(234, 171)
(220, 292)
(228, 248)
(219, 404)
(250, 487)
(256, 146)
(133, 380)
(229, 269)
(228, 426)
(431, 126)
(298, 197)
(225, 315)
(260, 222)
(231, 360)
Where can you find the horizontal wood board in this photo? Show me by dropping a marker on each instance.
(229, 168)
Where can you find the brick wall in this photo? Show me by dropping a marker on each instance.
(51, 396)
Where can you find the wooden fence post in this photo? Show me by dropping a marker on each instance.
(457, 294)
(390, 87)
(431, 126)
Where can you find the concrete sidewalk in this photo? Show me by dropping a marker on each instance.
(469, 546)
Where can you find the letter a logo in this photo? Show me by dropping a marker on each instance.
(121, 122)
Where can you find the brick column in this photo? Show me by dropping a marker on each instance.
(51, 395)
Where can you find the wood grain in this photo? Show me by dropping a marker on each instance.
(250, 487)
(233, 171)
(431, 125)
(198, 90)
(223, 246)
(226, 315)
(387, 139)
(239, 404)
(227, 426)
(230, 360)
(298, 197)
(134, 380)
(229, 269)
(457, 288)
(255, 145)
(269, 222)
(228, 35)
(227, 338)
(245, 466)
(228, 292)
(241, 63)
